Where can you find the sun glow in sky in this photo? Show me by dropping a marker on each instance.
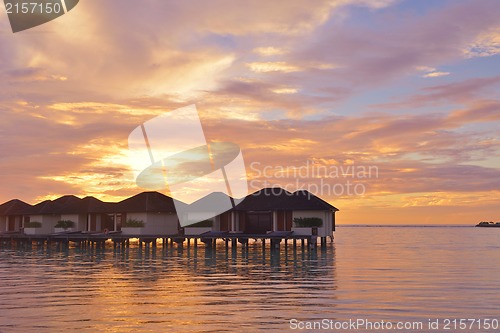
(409, 87)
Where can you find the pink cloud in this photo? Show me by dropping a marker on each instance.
(396, 44)
(451, 93)
(126, 64)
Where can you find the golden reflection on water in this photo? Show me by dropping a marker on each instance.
(373, 273)
(138, 290)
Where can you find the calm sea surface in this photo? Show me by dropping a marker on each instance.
(394, 274)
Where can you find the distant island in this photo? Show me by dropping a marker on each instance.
(488, 224)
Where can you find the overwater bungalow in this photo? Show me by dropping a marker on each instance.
(13, 215)
(43, 217)
(275, 209)
(90, 215)
(205, 210)
(148, 213)
(268, 211)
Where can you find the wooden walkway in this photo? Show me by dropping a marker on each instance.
(209, 239)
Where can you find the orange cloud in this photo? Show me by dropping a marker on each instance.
(296, 82)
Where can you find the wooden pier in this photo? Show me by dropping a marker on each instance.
(211, 240)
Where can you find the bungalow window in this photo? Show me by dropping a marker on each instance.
(27, 219)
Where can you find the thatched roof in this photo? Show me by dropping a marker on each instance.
(279, 199)
(52, 206)
(146, 202)
(14, 207)
(267, 199)
(88, 205)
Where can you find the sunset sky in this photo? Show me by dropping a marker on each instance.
(411, 88)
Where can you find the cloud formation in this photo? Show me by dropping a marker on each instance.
(410, 90)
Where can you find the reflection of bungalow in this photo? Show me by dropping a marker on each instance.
(275, 209)
(13, 215)
(155, 210)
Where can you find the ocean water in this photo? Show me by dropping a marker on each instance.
(441, 277)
